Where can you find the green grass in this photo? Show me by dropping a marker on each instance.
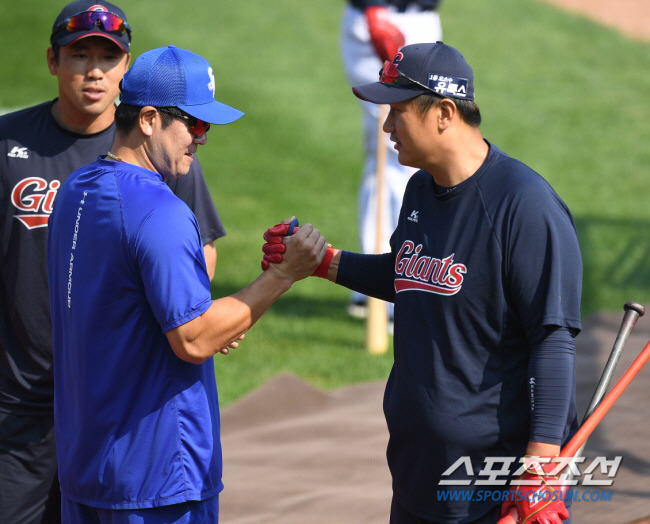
(560, 93)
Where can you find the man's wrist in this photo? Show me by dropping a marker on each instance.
(323, 268)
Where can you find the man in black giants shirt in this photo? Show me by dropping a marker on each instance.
(39, 147)
(485, 272)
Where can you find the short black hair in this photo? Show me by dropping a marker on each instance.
(468, 109)
(126, 116)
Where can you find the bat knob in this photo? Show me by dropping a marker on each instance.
(634, 306)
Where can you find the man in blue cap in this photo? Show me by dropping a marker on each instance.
(39, 147)
(485, 273)
(134, 325)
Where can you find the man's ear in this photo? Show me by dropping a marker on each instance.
(147, 120)
(447, 112)
(52, 62)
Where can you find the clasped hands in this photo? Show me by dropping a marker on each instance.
(289, 242)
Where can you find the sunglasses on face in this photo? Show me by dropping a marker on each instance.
(89, 19)
(197, 127)
(390, 75)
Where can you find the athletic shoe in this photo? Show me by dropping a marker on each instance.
(358, 309)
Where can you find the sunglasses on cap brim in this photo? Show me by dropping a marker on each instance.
(87, 20)
(390, 75)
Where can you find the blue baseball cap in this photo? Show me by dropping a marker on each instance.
(173, 77)
(421, 68)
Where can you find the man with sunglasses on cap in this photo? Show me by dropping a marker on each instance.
(485, 272)
(134, 325)
(39, 147)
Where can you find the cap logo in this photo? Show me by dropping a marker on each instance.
(448, 85)
(97, 7)
(389, 74)
(398, 56)
(211, 83)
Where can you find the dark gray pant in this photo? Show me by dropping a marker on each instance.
(29, 487)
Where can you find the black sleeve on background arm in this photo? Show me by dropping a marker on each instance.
(363, 4)
(401, 5)
(371, 275)
(551, 382)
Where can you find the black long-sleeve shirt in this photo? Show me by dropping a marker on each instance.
(401, 5)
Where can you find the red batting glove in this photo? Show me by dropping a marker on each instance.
(385, 36)
(274, 234)
(274, 246)
(536, 494)
(272, 254)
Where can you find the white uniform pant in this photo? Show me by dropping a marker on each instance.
(362, 66)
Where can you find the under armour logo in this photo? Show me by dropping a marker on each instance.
(18, 152)
(413, 217)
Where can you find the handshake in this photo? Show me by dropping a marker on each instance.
(309, 242)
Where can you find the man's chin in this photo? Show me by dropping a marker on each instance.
(97, 108)
(180, 172)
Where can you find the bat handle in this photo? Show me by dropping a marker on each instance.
(594, 419)
(292, 225)
(632, 313)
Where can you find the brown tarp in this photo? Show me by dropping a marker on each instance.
(297, 455)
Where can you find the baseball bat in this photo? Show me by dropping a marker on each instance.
(377, 321)
(593, 420)
(632, 312)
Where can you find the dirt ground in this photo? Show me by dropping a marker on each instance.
(294, 454)
(631, 17)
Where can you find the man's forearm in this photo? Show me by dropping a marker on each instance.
(372, 275)
(227, 318)
(551, 373)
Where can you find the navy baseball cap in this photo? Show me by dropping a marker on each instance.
(85, 18)
(173, 77)
(421, 68)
